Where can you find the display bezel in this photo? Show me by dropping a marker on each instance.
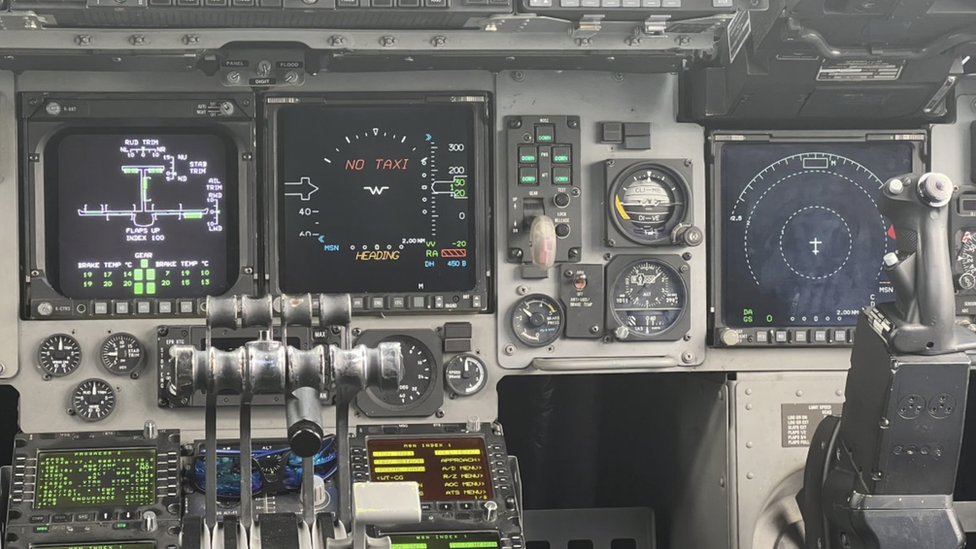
(150, 452)
(111, 114)
(917, 139)
(406, 438)
(435, 302)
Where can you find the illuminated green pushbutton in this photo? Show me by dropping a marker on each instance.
(562, 176)
(528, 176)
(528, 154)
(42, 529)
(561, 155)
(545, 133)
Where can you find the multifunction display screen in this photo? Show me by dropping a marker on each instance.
(447, 468)
(803, 239)
(450, 540)
(135, 214)
(96, 478)
(377, 199)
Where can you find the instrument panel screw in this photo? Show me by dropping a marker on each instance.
(191, 39)
(438, 41)
(357, 332)
(83, 39)
(388, 41)
(573, 123)
(688, 162)
(2, 368)
(509, 349)
(53, 108)
(687, 357)
(617, 76)
(35, 272)
(336, 40)
(574, 253)
(568, 273)
(885, 422)
(522, 290)
(583, 42)
(607, 256)
(137, 39)
(248, 270)
(439, 413)
(594, 329)
(576, 192)
(686, 256)
(611, 242)
(683, 40)
(518, 76)
(515, 123)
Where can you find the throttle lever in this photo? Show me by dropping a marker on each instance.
(924, 312)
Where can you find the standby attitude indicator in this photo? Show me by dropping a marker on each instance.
(377, 199)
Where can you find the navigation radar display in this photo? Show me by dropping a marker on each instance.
(803, 239)
(376, 199)
(138, 215)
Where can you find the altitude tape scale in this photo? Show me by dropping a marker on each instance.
(379, 198)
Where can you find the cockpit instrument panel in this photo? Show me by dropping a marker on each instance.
(114, 199)
(382, 199)
(801, 238)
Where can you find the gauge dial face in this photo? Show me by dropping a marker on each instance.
(59, 355)
(419, 371)
(647, 203)
(648, 298)
(122, 354)
(537, 320)
(466, 375)
(93, 400)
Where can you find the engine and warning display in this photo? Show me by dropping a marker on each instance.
(377, 199)
(802, 237)
(96, 478)
(447, 468)
(137, 214)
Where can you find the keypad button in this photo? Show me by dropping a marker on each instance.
(528, 154)
(545, 133)
(562, 176)
(561, 155)
(528, 176)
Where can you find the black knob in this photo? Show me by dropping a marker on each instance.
(561, 200)
(562, 230)
(305, 438)
(689, 236)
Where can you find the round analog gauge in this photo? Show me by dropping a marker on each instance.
(537, 320)
(93, 400)
(647, 203)
(466, 375)
(122, 354)
(647, 299)
(59, 355)
(966, 259)
(419, 370)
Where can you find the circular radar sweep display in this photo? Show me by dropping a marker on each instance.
(537, 320)
(122, 354)
(93, 400)
(803, 239)
(419, 372)
(59, 355)
(647, 203)
(466, 375)
(648, 298)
